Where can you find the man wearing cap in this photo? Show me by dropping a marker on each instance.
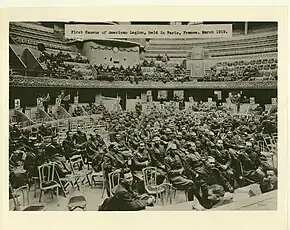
(175, 172)
(80, 138)
(193, 160)
(157, 155)
(141, 159)
(113, 160)
(224, 161)
(252, 167)
(69, 145)
(94, 152)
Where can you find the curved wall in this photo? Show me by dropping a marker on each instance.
(111, 54)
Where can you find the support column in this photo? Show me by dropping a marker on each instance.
(246, 28)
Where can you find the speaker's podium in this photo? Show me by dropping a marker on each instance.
(195, 62)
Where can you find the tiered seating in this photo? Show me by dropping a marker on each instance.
(239, 45)
(236, 69)
(30, 35)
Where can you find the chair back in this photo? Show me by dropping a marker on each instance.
(114, 180)
(20, 197)
(262, 146)
(46, 173)
(76, 163)
(150, 176)
(165, 193)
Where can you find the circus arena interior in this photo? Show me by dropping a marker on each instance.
(142, 124)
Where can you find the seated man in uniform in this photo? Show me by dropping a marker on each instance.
(157, 155)
(125, 199)
(141, 159)
(210, 175)
(175, 171)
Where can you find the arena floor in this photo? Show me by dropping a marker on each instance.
(94, 199)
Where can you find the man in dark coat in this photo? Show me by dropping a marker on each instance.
(175, 171)
(125, 199)
(157, 155)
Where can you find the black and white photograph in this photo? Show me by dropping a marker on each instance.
(143, 115)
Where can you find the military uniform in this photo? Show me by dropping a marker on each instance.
(174, 170)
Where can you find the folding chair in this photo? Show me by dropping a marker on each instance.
(166, 193)
(270, 145)
(47, 179)
(114, 181)
(24, 206)
(151, 187)
(99, 178)
(78, 170)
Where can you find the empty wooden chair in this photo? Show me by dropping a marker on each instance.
(79, 171)
(20, 198)
(47, 179)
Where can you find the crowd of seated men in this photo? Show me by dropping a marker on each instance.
(134, 74)
(216, 154)
(92, 108)
(249, 73)
(57, 68)
(220, 154)
(114, 73)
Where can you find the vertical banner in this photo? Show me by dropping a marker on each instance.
(274, 101)
(252, 100)
(39, 102)
(17, 103)
(178, 94)
(76, 100)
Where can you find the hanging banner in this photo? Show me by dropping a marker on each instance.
(179, 94)
(17, 103)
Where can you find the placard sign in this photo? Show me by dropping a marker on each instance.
(57, 101)
(17, 103)
(274, 101)
(76, 100)
(39, 102)
(162, 94)
(252, 100)
(179, 94)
